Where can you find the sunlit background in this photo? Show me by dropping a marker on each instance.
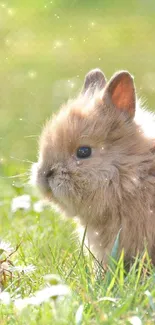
(46, 49)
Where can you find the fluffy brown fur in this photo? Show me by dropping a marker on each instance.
(114, 188)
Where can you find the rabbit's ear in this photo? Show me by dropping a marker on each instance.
(94, 79)
(120, 91)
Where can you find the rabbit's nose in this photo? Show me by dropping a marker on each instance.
(50, 173)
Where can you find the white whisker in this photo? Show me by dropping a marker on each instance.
(31, 136)
(15, 176)
(22, 160)
(55, 188)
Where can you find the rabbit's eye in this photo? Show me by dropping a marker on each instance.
(83, 152)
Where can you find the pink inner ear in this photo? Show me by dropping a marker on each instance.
(123, 93)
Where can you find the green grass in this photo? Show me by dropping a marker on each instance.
(46, 49)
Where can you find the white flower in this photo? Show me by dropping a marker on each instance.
(5, 298)
(38, 206)
(21, 202)
(25, 269)
(134, 320)
(52, 279)
(5, 247)
(42, 296)
(78, 316)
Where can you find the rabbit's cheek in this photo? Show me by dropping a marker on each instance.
(60, 192)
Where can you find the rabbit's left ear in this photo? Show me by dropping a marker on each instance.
(120, 92)
(94, 79)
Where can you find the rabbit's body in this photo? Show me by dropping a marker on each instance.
(112, 186)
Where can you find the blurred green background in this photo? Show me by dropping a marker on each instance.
(46, 48)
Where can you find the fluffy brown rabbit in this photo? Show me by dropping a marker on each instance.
(97, 162)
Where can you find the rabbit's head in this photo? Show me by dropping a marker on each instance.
(84, 144)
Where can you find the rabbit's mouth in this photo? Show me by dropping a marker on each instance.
(57, 186)
(51, 183)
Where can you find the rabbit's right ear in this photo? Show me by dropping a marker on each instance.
(94, 79)
(121, 94)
